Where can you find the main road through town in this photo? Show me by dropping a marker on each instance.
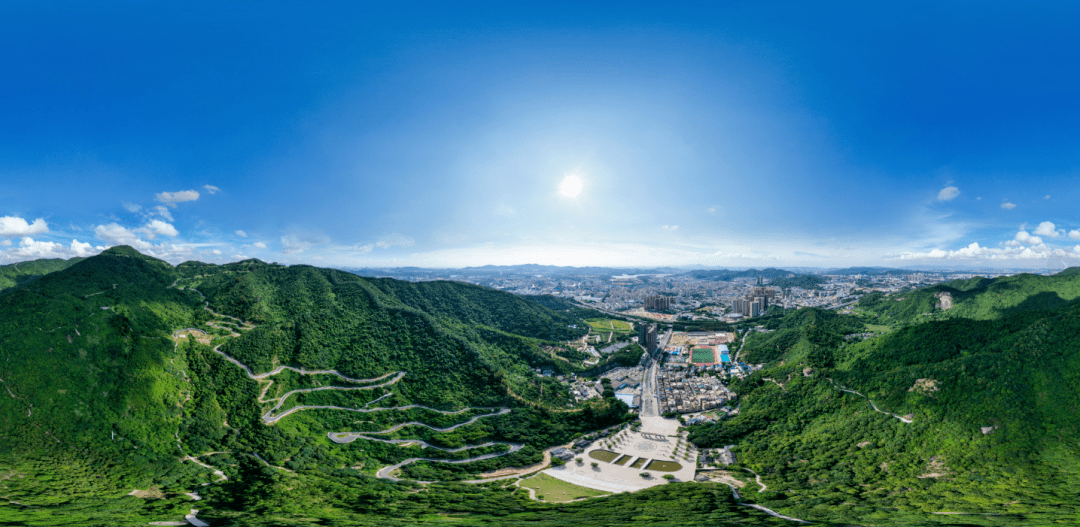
(650, 405)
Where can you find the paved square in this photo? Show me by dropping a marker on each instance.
(658, 440)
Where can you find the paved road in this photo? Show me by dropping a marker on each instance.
(349, 437)
(384, 472)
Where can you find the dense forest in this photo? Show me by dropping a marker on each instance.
(973, 415)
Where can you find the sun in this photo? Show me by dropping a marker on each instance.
(570, 186)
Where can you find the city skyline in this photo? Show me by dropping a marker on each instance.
(735, 136)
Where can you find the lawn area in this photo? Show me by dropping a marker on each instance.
(554, 489)
(606, 456)
(610, 325)
(663, 466)
(878, 328)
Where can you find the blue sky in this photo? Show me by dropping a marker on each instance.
(740, 134)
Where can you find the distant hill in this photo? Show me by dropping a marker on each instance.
(975, 298)
(805, 281)
(19, 273)
(729, 274)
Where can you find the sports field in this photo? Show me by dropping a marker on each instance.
(610, 325)
(703, 355)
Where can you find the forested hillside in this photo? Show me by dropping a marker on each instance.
(22, 272)
(123, 374)
(974, 415)
(975, 298)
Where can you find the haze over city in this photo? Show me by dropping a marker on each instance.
(621, 135)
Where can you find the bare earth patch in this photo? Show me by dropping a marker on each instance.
(924, 386)
(935, 468)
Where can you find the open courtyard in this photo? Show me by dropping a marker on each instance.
(657, 448)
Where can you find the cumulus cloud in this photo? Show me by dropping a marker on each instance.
(260, 245)
(158, 227)
(1027, 239)
(83, 249)
(119, 235)
(1008, 206)
(1048, 229)
(241, 233)
(211, 189)
(975, 251)
(948, 193)
(216, 252)
(1074, 234)
(5, 243)
(172, 198)
(393, 240)
(131, 207)
(30, 248)
(14, 226)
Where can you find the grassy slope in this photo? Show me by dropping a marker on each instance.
(825, 454)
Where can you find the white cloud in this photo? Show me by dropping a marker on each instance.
(671, 227)
(241, 256)
(178, 197)
(1047, 228)
(131, 207)
(162, 211)
(395, 239)
(211, 189)
(260, 245)
(293, 244)
(5, 243)
(29, 249)
(216, 252)
(1074, 234)
(241, 233)
(1008, 206)
(1046, 196)
(119, 235)
(948, 193)
(711, 210)
(1025, 238)
(978, 198)
(974, 251)
(83, 249)
(14, 226)
(158, 227)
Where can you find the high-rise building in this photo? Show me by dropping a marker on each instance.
(647, 337)
(657, 303)
(756, 302)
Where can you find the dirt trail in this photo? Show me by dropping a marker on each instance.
(872, 405)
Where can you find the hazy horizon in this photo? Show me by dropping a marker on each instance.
(738, 136)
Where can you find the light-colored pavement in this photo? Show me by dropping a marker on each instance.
(384, 472)
(348, 437)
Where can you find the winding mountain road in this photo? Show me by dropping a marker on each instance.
(349, 437)
(384, 473)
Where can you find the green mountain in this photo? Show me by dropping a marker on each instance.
(976, 298)
(971, 419)
(278, 393)
(23, 272)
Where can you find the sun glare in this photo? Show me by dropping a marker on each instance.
(570, 186)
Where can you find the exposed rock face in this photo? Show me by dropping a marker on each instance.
(944, 300)
(924, 386)
(987, 429)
